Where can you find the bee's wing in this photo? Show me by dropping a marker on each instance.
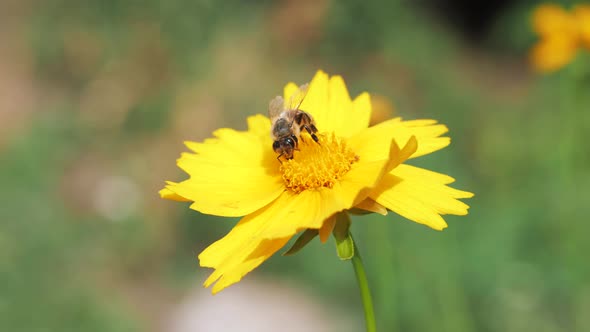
(298, 97)
(275, 107)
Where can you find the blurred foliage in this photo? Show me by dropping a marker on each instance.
(117, 86)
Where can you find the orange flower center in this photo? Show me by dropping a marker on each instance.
(317, 165)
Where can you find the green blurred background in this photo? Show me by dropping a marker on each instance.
(96, 98)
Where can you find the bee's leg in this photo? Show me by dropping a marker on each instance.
(304, 121)
(312, 130)
(279, 157)
(315, 138)
(298, 118)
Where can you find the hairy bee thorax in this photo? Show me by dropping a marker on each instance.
(283, 127)
(318, 165)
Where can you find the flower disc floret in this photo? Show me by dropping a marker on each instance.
(318, 165)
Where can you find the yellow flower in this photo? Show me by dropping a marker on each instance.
(561, 34)
(353, 166)
(551, 54)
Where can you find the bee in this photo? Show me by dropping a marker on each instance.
(287, 125)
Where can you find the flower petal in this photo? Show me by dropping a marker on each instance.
(328, 101)
(360, 116)
(234, 174)
(327, 228)
(233, 268)
(339, 110)
(264, 250)
(420, 195)
(316, 102)
(371, 206)
(369, 142)
(168, 194)
(348, 117)
(238, 147)
(291, 212)
(289, 92)
(259, 125)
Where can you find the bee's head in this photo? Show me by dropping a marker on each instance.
(285, 145)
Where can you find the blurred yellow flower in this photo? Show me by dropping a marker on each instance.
(561, 33)
(354, 166)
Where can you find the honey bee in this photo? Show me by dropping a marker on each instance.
(287, 124)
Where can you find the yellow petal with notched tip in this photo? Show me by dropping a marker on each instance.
(241, 264)
(339, 112)
(427, 132)
(360, 115)
(420, 195)
(234, 174)
(169, 194)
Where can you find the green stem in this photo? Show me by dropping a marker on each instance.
(361, 277)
